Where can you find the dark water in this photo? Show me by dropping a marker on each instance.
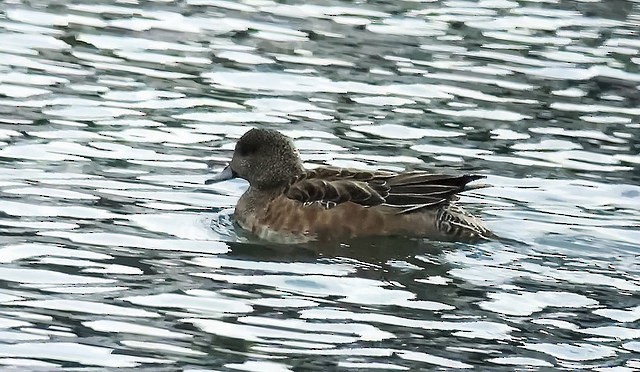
(114, 254)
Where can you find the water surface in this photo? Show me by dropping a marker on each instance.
(114, 253)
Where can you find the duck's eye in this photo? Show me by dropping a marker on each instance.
(247, 148)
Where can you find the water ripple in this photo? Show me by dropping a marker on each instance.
(115, 254)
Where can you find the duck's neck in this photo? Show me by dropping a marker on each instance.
(255, 199)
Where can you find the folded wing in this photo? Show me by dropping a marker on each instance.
(407, 192)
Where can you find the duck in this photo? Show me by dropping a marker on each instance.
(287, 203)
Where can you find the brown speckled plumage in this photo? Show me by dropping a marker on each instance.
(288, 203)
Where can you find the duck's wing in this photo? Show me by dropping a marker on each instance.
(407, 192)
(332, 186)
(415, 191)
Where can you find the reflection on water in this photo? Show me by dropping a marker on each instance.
(114, 253)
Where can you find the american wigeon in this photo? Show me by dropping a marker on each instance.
(287, 203)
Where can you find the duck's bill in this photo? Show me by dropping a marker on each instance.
(226, 174)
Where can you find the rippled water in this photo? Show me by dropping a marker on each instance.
(114, 254)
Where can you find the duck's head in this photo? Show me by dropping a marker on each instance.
(264, 157)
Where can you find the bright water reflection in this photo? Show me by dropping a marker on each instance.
(114, 254)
